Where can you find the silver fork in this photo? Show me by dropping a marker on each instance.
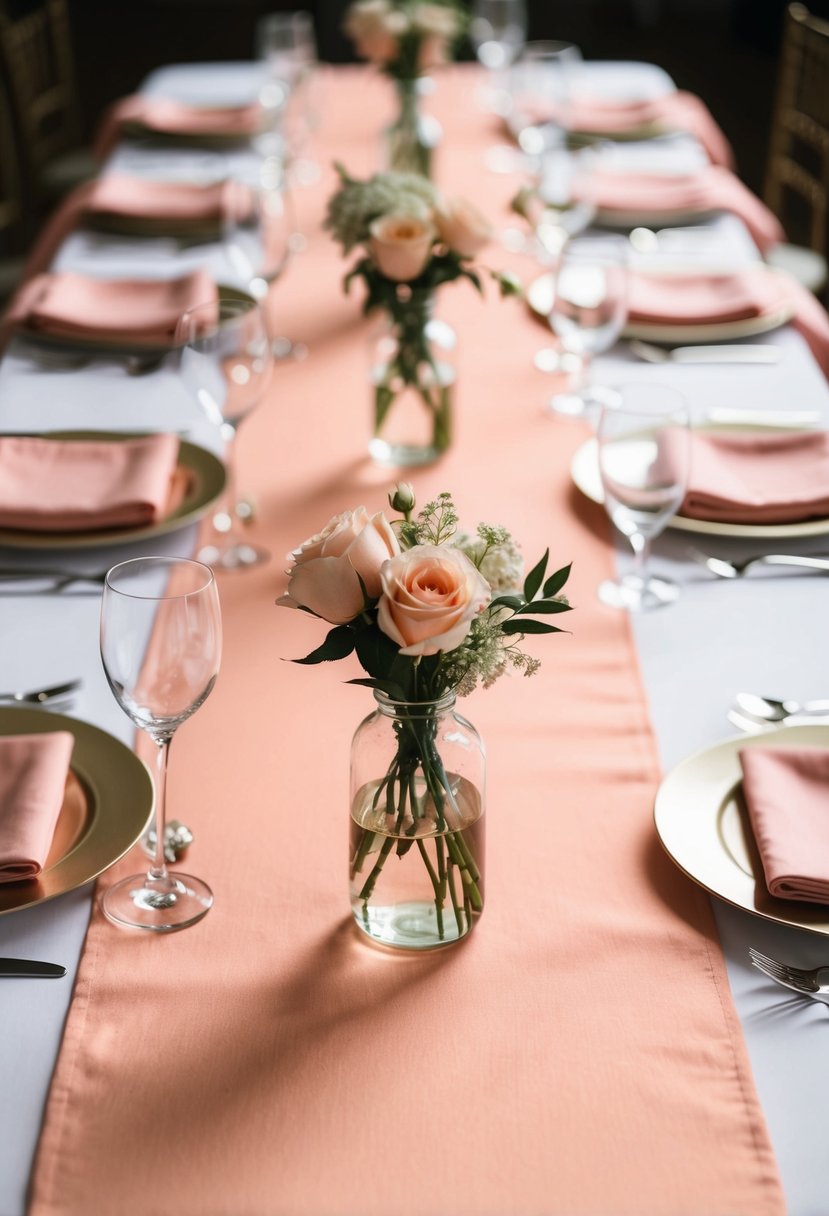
(735, 569)
(40, 696)
(812, 982)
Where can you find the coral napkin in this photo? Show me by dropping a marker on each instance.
(33, 772)
(755, 291)
(757, 478)
(168, 117)
(54, 485)
(677, 111)
(142, 312)
(168, 208)
(787, 794)
(653, 194)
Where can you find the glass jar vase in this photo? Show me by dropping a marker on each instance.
(418, 789)
(412, 375)
(412, 139)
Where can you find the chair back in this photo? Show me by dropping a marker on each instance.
(12, 210)
(797, 177)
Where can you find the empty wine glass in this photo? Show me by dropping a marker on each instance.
(540, 85)
(286, 42)
(257, 243)
(497, 32)
(226, 362)
(644, 454)
(161, 644)
(589, 309)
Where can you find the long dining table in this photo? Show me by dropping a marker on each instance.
(601, 1045)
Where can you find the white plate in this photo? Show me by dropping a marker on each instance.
(584, 470)
(703, 825)
(539, 296)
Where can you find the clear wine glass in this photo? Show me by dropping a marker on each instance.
(286, 42)
(589, 309)
(161, 645)
(497, 32)
(226, 363)
(644, 455)
(541, 81)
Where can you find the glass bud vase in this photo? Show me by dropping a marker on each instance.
(412, 374)
(412, 139)
(418, 788)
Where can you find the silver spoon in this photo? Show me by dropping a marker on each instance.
(771, 710)
(723, 568)
(39, 696)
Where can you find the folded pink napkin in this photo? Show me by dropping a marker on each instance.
(33, 772)
(169, 117)
(679, 111)
(141, 312)
(711, 189)
(699, 299)
(168, 207)
(757, 478)
(53, 485)
(786, 791)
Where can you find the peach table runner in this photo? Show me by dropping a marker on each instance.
(579, 1055)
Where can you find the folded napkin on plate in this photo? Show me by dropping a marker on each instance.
(757, 478)
(54, 485)
(140, 312)
(700, 299)
(655, 194)
(157, 207)
(786, 791)
(168, 117)
(33, 772)
(679, 111)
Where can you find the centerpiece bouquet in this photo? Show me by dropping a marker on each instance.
(430, 612)
(406, 39)
(413, 240)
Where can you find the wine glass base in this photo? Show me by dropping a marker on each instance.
(239, 555)
(635, 594)
(141, 903)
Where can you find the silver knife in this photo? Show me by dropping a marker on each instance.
(30, 967)
(725, 354)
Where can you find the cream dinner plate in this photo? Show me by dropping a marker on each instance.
(539, 296)
(101, 819)
(206, 483)
(703, 826)
(584, 471)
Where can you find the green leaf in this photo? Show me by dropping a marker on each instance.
(556, 581)
(338, 645)
(534, 579)
(545, 607)
(376, 652)
(530, 627)
(387, 686)
(515, 602)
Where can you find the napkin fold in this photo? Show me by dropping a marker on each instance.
(740, 478)
(786, 791)
(154, 207)
(140, 312)
(678, 111)
(714, 188)
(54, 485)
(168, 117)
(33, 773)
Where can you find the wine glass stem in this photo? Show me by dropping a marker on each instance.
(229, 502)
(641, 546)
(158, 871)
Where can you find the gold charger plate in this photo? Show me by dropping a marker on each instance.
(118, 346)
(584, 471)
(206, 484)
(111, 807)
(186, 139)
(703, 826)
(539, 296)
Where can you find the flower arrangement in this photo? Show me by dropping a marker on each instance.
(429, 612)
(414, 240)
(405, 38)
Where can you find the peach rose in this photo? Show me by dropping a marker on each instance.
(375, 30)
(462, 226)
(401, 245)
(325, 567)
(438, 26)
(431, 594)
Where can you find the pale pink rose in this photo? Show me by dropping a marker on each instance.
(431, 595)
(462, 226)
(375, 29)
(438, 26)
(401, 245)
(324, 574)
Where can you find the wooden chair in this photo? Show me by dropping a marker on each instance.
(797, 176)
(13, 210)
(37, 61)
